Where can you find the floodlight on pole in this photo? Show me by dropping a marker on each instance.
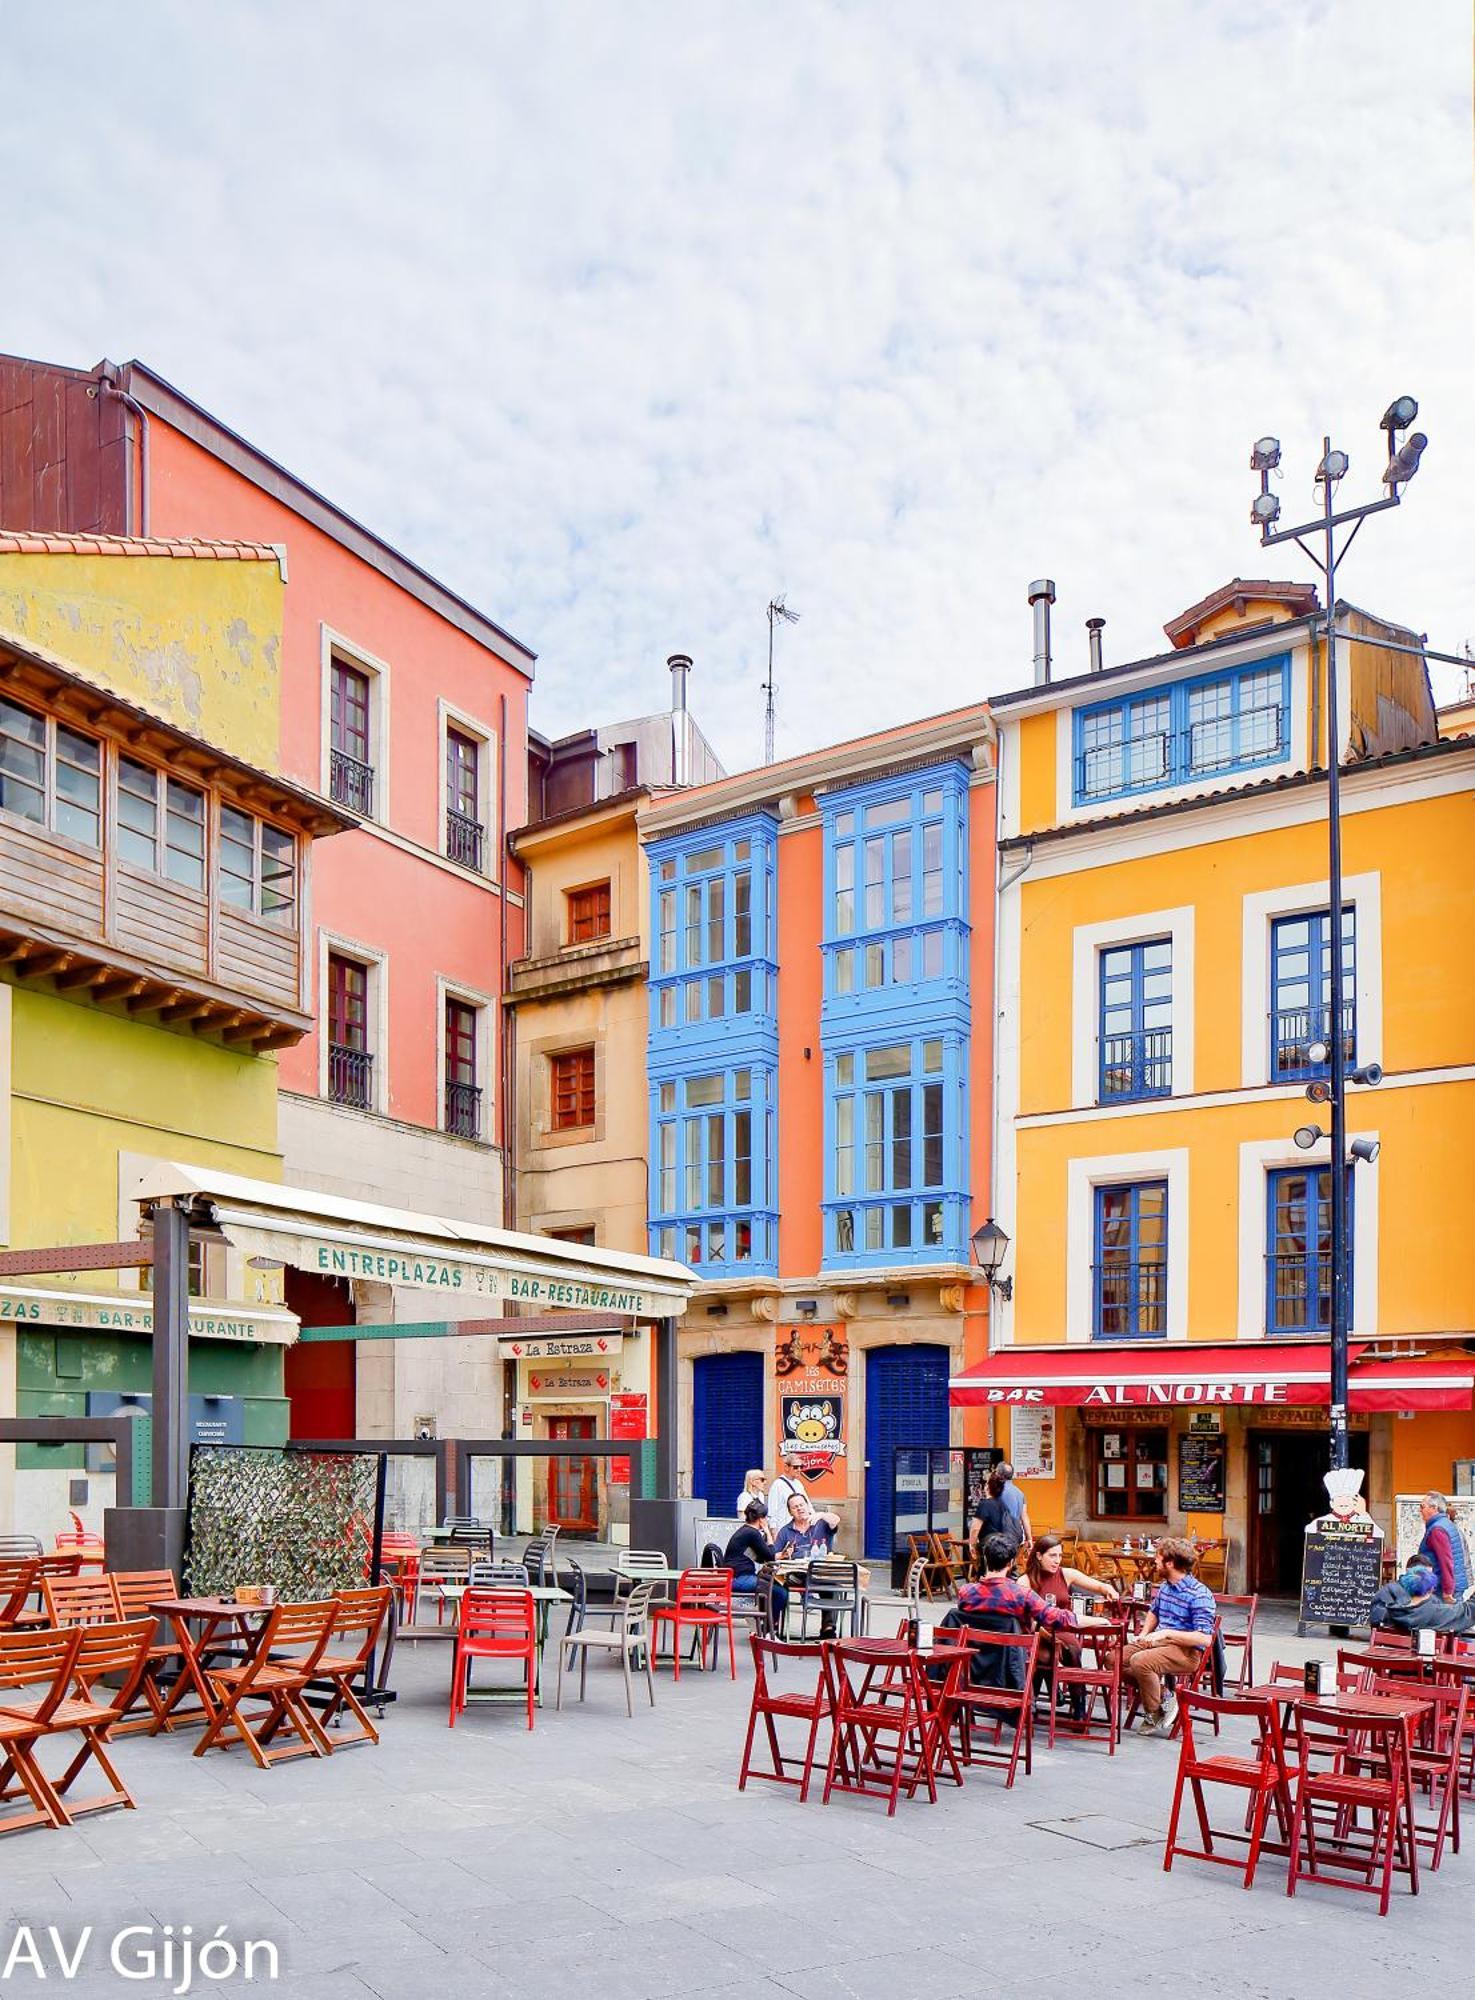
(776, 609)
(1405, 462)
(1308, 1137)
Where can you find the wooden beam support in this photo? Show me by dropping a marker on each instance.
(119, 986)
(76, 1257)
(45, 963)
(153, 997)
(186, 1010)
(245, 1031)
(81, 976)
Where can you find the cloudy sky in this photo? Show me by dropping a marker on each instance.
(622, 315)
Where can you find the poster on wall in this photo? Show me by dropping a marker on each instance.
(1032, 1443)
(812, 1364)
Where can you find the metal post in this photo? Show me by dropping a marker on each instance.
(1335, 1039)
(666, 1402)
(171, 1355)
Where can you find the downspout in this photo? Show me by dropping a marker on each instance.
(507, 1080)
(1007, 881)
(144, 510)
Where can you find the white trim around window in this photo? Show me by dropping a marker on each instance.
(1089, 941)
(450, 989)
(485, 737)
(1083, 1177)
(331, 944)
(1257, 1160)
(354, 655)
(1261, 909)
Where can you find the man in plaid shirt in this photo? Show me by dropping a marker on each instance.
(997, 1591)
(1174, 1633)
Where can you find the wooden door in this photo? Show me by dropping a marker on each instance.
(573, 1493)
(1286, 1491)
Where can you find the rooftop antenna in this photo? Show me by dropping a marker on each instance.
(777, 609)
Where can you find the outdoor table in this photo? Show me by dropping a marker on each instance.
(544, 1596)
(212, 1615)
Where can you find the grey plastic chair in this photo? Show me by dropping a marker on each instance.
(628, 1641)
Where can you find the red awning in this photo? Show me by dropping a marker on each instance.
(1248, 1372)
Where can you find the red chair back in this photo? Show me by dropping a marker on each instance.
(509, 1615)
(704, 1589)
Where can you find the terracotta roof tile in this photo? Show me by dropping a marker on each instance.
(23, 544)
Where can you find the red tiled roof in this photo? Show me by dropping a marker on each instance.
(1300, 598)
(24, 544)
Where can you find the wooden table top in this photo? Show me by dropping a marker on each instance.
(205, 1607)
(1377, 1706)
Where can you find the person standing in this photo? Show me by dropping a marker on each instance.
(781, 1489)
(1444, 1546)
(755, 1487)
(998, 1514)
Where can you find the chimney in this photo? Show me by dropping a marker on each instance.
(1041, 597)
(680, 665)
(1093, 642)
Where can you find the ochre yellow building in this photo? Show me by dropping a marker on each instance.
(1164, 944)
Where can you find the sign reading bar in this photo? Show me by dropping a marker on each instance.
(136, 1315)
(1341, 1568)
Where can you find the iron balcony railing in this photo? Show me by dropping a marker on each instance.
(1295, 1031)
(463, 1110)
(1298, 1291)
(1139, 1065)
(464, 837)
(350, 1076)
(351, 782)
(1167, 756)
(1131, 1300)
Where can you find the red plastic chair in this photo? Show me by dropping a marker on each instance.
(813, 1708)
(495, 1625)
(1265, 1776)
(703, 1606)
(1327, 1746)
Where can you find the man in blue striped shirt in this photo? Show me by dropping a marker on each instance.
(1174, 1633)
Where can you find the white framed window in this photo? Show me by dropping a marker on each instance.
(353, 1023)
(1362, 893)
(1089, 942)
(1084, 1175)
(1258, 1159)
(465, 1055)
(468, 790)
(355, 726)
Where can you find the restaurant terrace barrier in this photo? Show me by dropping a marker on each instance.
(301, 1520)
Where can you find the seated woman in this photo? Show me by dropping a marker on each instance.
(807, 1533)
(1052, 1579)
(1411, 1602)
(749, 1548)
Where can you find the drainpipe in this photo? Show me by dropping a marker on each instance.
(1007, 880)
(508, 1023)
(109, 383)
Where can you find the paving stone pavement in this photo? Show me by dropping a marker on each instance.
(494, 1863)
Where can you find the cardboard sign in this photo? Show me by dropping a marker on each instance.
(812, 1364)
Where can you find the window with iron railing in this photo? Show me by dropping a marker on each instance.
(1300, 993)
(350, 766)
(1136, 1020)
(1298, 1259)
(350, 1062)
(463, 1092)
(1130, 1274)
(1193, 729)
(465, 834)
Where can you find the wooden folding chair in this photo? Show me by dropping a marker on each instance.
(54, 1568)
(1265, 1778)
(79, 1600)
(117, 1651)
(136, 1590)
(33, 1659)
(18, 1576)
(361, 1613)
(280, 1682)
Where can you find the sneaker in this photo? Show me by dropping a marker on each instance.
(1170, 1714)
(1149, 1725)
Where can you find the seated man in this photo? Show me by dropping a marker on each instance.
(747, 1549)
(806, 1532)
(1174, 1634)
(1000, 1602)
(1412, 1602)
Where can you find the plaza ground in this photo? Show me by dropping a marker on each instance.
(601, 1854)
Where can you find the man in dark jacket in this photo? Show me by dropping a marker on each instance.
(1444, 1546)
(1411, 1602)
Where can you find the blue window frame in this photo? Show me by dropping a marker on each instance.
(1131, 1268)
(1136, 1020)
(1298, 1259)
(896, 883)
(895, 1190)
(711, 1172)
(713, 898)
(1300, 991)
(1193, 729)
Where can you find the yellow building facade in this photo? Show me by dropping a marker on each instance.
(1164, 944)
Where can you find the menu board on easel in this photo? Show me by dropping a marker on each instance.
(1202, 1462)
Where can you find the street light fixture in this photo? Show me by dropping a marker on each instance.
(989, 1245)
(1403, 463)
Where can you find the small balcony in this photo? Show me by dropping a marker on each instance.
(1131, 1300)
(351, 783)
(1298, 1292)
(350, 1077)
(1135, 1066)
(463, 1110)
(1295, 1031)
(465, 838)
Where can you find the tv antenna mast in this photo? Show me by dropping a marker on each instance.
(777, 609)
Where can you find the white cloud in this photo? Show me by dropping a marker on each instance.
(622, 317)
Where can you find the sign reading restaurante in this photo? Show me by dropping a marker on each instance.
(425, 1272)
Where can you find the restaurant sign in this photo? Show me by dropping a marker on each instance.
(1174, 1391)
(114, 1313)
(422, 1270)
(813, 1366)
(565, 1347)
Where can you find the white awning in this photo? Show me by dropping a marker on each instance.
(337, 1238)
(132, 1312)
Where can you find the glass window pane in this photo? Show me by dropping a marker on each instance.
(901, 960)
(742, 914)
(932, 955)
(895, 1060)
(901, 1138)
(901, 877)
(716, 998)
(931, 1057)
(716, 1160)
(845, 1071)
(22, 761)
(716, 921)
(699, 864)
(78, 786)
(741, 849)
(875, 966)
(845, 971)
(666, 1007)
(704, 1089)
(875, 1223)
(893, 813)
(278, 873)
(667, 1099)
(742, 992)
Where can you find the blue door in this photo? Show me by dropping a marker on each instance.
(726, 1426)
(906, 1404)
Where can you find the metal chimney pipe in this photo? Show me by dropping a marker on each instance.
(1041, 597)
(1093, 641)
(680, 665)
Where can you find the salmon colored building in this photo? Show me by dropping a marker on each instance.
(394, 698)
(819, 1062)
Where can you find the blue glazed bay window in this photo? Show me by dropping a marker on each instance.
(1195, 729)
(1136, 1023)
(713, 905)
(896, 1120)
(711, 1174)
(896, 883)
(1300, 992)
(1131, 1268)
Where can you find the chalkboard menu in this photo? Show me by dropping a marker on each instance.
(1201, 1463)
(1340, 1570)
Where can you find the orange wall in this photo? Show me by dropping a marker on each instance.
(429, 920)
(1425, 1448)
(801, 1113)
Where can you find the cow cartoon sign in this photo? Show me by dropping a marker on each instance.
(812, 1364)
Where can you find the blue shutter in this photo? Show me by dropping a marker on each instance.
(726, 1426)
(906, 1404)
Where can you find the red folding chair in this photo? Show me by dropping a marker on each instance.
(1328, 1747)
(905, 1719)
(771, 1704)
(1435, 1747)
(495, 1625)
(1237, 1639)
(1265, 1777)
(702, 1607)
(1086, 1666)
(1002, 1699)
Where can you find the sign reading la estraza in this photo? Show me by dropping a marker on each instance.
(425, 1273)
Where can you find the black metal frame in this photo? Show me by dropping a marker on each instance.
(116, 1431)
(464, 1450)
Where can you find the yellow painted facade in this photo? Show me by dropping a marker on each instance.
(1212, 870)
(195, 640)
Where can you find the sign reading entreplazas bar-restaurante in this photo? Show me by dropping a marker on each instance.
(423, 1271)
